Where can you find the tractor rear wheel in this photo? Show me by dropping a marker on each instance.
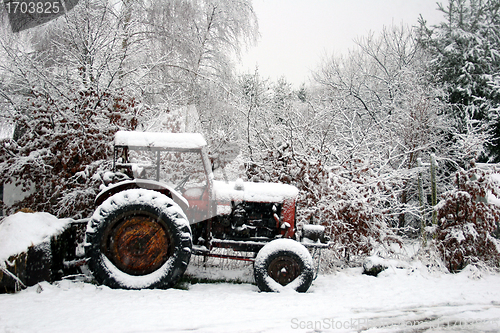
(138, 239)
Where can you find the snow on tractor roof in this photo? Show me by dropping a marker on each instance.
(160, 140)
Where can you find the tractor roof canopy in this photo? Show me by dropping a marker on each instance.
(159, 140)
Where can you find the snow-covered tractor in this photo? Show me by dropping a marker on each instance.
(161, 204)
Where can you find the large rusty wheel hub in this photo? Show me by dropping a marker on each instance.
(283, 269)
(138, 245)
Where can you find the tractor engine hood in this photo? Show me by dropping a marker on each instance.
(254, 192)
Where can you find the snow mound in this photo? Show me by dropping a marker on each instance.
(373, 265)
(20, 231)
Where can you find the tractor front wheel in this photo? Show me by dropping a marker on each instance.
(283, 263)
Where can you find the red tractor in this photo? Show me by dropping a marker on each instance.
(162, 204)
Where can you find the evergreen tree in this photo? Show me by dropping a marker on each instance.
(466, 61)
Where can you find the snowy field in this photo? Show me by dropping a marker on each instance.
(398, 300)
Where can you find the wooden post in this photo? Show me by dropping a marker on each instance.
(433, 188)
(421, 202)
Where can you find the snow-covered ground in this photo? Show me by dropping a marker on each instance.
(398, 300)
(409, 299)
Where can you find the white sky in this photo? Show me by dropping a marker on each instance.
(296, 34)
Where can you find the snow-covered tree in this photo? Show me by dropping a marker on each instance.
(62, 149)
(66, 84)
(465, 52)
(379, 107)
(191, 44)
(105, 66)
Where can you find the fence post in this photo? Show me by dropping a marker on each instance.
(421, 202)
(433, 188)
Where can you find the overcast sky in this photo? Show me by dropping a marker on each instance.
(296, 34)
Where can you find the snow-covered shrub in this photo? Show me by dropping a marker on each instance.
(62, 144)
(466, 221)
(360, 210)
(355, 205)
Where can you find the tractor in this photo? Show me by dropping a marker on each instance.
(161, 204)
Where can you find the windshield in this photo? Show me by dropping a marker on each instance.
(179, 169)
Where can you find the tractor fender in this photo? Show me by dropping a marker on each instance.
(145, 184)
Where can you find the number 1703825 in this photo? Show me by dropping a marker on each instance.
(33, 7)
